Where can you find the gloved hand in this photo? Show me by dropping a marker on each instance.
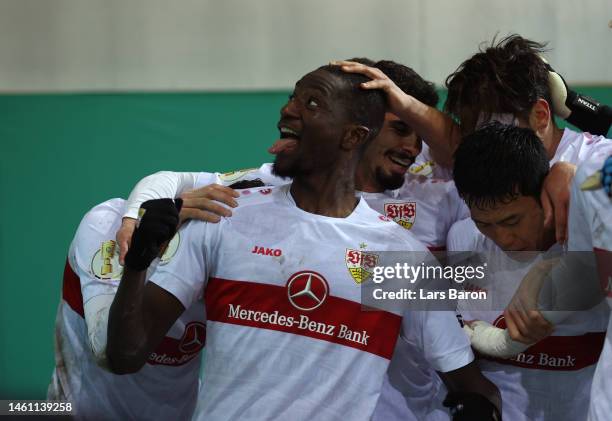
(606, 176)
(157, 225)
(580, 110)
(466, 406)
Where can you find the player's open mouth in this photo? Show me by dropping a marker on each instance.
(288, 141)
(403, 160)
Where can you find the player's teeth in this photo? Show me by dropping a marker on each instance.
(399, 161)
(286, 130)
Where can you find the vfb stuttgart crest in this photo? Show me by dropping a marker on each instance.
(360, 264)
(403, 213)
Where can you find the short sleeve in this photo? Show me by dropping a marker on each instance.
(440, 337)
(185, 273)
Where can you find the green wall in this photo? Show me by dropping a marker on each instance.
(62, 154)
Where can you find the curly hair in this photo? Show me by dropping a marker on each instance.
(505, 77)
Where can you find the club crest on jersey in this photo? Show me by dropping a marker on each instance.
(171, 249)
(403, 213)
(105, 262)
(360, 264)
(233, 176)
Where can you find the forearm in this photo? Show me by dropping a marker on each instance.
(163, 184)
(127, 347)
(436, 128)
(96, 318)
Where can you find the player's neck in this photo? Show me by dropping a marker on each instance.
(326, 193)
(366, 182)
(551, 141)
(548, 238)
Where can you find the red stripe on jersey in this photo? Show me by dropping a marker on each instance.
(337, 320)
(175, 352)
(560, 353)
(436, 248)
(71, 290)
(604, 268)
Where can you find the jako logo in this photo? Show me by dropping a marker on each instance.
(265, 251)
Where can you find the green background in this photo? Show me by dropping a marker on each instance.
(62, 154)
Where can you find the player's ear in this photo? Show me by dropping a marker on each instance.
(354, 137)
(540, 116)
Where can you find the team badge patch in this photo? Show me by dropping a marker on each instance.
(425, 169)
(360, 264)
(105, 263)
(170, 251)
(233, 176)
(403, 213)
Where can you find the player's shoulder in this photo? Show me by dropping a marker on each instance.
(417, 182)
(578, 147)
(594, 161)
(465, 236)
(97, 231)
(261, 196)
(102, 218)
(262, 173)
(394, 234)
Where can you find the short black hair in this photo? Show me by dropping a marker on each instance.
(409, 81)
(365, 107)
(497, 163)
(505, 77)
(362, 60)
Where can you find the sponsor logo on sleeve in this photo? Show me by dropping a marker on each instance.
(425, 169)
(105, 262)
(171, 249)
(233, 176)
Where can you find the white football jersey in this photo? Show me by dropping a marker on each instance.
(590, 229)
(286, 335)
(575, 147)
(170, 184)
(427, 207)
(425, 166)
(550, 380)
(167, 386)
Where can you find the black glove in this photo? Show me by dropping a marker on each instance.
(157, 225)
(580, 110)
(465, 406)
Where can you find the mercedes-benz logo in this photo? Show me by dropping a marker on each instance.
(307, 290)
(194, 337)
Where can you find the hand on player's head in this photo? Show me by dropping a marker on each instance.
(396, 98)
